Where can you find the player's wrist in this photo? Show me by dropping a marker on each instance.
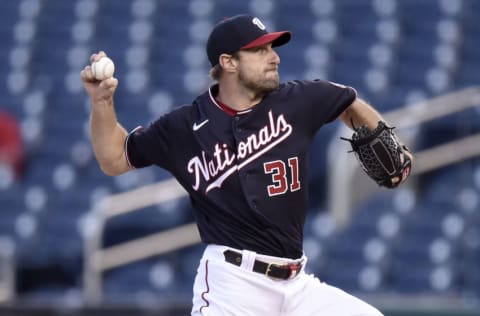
(102, 103)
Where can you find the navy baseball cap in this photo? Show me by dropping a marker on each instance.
(241, 32)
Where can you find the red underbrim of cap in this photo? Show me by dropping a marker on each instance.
(276, 38)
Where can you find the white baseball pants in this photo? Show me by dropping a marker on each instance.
(224, 289)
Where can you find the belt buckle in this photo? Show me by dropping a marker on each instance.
(269, 269)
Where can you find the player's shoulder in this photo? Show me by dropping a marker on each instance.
(307, 87)
(316, 83)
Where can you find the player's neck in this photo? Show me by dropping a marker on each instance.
(237, 98)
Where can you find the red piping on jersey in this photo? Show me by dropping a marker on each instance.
(225, 108)
(207, 303)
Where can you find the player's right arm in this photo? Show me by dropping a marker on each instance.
(107, 135)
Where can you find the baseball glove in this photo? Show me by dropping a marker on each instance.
(381, 155)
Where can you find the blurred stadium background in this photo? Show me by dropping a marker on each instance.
(411, 251)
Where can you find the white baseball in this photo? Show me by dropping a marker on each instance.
(103, 68)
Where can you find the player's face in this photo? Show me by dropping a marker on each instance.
(258, 69)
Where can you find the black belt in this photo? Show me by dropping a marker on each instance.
(272, 270)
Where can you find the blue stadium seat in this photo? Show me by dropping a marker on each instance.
(342, 274)
(157, 276)
(469, 272)
(348, 245)
(407, 280)
(147, 221)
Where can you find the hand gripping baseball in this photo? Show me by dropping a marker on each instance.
(381, 155)
(98, 77)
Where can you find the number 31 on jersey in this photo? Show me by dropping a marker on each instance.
(278, 169)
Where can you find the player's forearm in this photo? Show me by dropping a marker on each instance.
(108, 138)
(361, 113)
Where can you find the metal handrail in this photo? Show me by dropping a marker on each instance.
(7, 269)
(98, 260)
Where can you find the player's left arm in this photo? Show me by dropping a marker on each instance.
(361, 113)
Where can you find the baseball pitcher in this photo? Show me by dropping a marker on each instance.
(241, 151)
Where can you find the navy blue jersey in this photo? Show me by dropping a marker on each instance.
(246, 173)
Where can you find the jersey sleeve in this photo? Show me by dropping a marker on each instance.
(149, 146)
(322, 101)
(342, 98)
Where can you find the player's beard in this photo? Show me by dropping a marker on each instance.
(259, 83)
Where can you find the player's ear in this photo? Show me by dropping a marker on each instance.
(228, 62)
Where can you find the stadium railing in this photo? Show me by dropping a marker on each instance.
(7, 269)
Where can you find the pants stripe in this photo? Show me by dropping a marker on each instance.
(207, 303)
